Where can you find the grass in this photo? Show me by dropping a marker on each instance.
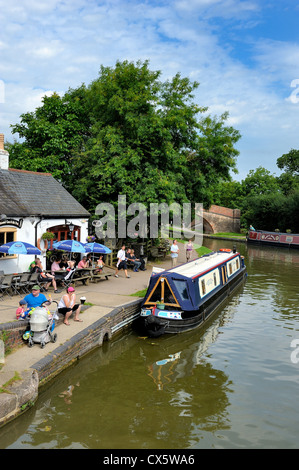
(228, 235)
(140, 293)
(203, 250)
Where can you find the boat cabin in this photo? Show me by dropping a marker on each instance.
(185, 287)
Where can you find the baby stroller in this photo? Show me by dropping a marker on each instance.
(42, 324)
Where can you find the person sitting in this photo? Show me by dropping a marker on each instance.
(100, 264)
(48, 279)
(68, 272)
(67, 305)
(129, 259)
(55, 266)
(89, 260)
(35, 299)
(21, 311)
(132, 258)
(58, 272)
(83, 263)
(139, 262)
(70, 265)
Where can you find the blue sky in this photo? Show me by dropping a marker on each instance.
(244, 54)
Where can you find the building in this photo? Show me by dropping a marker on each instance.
(31, 204)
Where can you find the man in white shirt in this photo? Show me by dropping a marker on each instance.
(174, 253)
(121, 262)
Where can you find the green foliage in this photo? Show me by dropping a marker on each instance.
(53, 133)
(289, 162)
(269, 211)
(128, 133)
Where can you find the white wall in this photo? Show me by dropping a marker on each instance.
(27, 234)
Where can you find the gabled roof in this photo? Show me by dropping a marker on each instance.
(24, 193)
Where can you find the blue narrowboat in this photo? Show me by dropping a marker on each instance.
(184, 297)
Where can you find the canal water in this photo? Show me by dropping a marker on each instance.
(232, 384)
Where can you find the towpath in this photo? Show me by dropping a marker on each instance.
(105, 295)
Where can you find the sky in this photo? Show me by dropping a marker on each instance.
(244, 54)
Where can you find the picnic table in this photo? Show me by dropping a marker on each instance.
(97, 274)
(83, 275)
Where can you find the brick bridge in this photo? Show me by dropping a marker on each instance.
(221, 219)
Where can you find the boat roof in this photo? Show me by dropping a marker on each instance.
(200, 265)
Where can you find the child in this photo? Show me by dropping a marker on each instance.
(101, 264)
(21, 312)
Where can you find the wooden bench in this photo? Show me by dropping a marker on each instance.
(83, 275)
(156, 253)
(97, 276)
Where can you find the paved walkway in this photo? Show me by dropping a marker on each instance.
(105, 295)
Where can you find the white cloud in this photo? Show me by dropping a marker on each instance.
(51, 46)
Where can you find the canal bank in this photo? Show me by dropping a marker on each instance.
(110, 308)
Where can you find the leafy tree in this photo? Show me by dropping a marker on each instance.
(212, 159)
(265, 211)
(128, 133)
(289, 179)
(51, 134)
(289, 162)
(228, 194)
(260, 181)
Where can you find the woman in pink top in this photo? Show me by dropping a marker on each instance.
(83, 263)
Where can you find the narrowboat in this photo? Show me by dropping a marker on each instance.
(263, 237)
(184, 297)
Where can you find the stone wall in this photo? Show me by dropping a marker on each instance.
(221, 219)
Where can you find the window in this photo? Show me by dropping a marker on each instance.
(62, 232)
(7, 235)
(233, 266)
(209, 282)
(162, 293)
(181, 287)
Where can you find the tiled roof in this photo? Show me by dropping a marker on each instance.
(25, 193)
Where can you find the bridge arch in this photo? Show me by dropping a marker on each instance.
(221, 219)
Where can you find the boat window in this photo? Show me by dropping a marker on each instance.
(181, 287)
(168, 297)
(203, 287)
(215, 279)
(233, 266)
(156, 295)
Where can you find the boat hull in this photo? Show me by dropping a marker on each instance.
(154, 326)
(262, 237)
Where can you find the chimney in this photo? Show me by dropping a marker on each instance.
(3, 154)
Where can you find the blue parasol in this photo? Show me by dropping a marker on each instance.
(19, 248)
(70, 245)
(97, 248)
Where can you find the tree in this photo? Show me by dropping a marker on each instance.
(52, 133)
(213, 158)
(289, 179)
(289, 162)
(129, 133)
(260, 181)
